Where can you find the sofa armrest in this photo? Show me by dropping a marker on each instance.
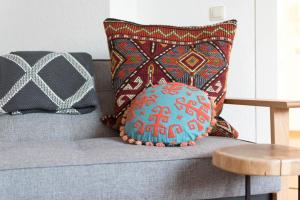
(280, 104)
(279, 115)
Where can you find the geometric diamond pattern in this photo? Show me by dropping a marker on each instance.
(116, 60)
(31, 75)
(192, 61)
(154, 54)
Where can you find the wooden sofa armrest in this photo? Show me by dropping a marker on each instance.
(279, 118)
(280, 104)
(279, 115)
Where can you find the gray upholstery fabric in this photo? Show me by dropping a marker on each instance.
(106, 168)
(45, 126)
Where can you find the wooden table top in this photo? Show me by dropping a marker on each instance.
(259, 159)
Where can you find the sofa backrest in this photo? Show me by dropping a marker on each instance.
(44, 126)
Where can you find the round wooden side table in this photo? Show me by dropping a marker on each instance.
(259, 160)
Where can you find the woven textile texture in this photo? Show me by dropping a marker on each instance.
(46, 82)
(143, 55)
(168, 114)
(224, 129)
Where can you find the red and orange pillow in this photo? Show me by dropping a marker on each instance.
(145, 55)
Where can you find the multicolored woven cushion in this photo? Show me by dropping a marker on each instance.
(168, 114)
(224, 129)
(143, 55)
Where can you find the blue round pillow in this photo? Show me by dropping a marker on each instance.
(168, 115)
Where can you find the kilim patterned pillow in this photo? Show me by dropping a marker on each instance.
(224, 129)
(143, 55)
(46, 82)
(168, 114)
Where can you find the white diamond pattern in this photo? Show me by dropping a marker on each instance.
(31, 74)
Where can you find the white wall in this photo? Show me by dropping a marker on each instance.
(76, 25)
(266, 62)
(289, 55)
(58, 25)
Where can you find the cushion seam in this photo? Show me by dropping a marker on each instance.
(95, 164)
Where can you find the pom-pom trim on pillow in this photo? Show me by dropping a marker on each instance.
(124, 136)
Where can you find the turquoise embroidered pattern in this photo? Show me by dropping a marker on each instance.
(167, 115)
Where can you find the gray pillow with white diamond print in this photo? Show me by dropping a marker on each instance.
(40, 81)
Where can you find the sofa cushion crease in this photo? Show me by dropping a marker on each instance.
(88, 151)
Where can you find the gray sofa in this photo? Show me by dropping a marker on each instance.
(64, 157)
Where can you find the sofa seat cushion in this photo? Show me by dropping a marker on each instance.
(106, 168)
